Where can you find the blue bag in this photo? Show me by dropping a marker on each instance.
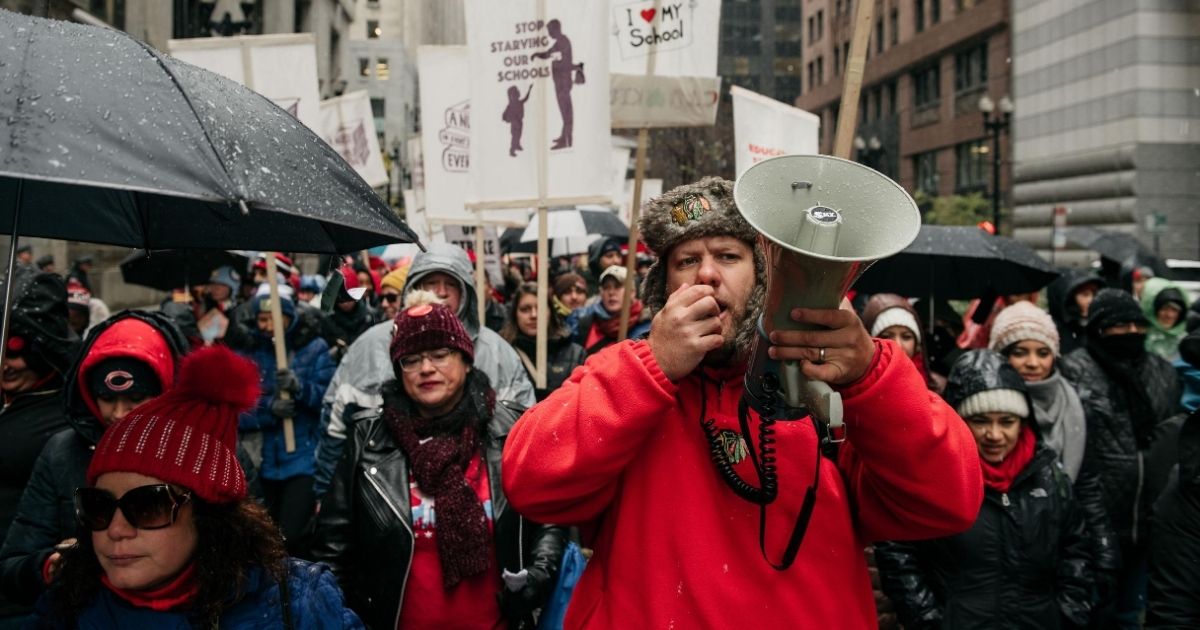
(555, 609)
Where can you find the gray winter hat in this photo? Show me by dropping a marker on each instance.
(704, 208)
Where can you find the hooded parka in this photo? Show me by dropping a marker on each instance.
(1060, 301)
(46, 513)
(365, 527)
(1173, 597)
(1164, 341)
(354, 390)
(1025, 563)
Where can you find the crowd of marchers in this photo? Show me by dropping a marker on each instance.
(1033, 462)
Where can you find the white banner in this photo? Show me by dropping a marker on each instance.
(282, 68)
(651, 188)
(763, 128)
(464, 237)
(348, 125)
(683, 35)
(446, 136)
(414, 216)
(640, 101)
(538, 85)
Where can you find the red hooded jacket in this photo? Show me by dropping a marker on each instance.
(619, 447)
(131, 338)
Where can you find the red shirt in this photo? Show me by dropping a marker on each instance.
(471, 604)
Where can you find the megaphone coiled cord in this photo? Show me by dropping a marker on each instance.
(763, 461)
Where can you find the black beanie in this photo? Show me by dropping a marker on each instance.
(1170, 295)
(1113, 307)
(123, 376)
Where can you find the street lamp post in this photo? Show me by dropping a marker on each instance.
(995, 125)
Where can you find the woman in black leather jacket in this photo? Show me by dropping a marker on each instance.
(415, 524)
(1025, 563)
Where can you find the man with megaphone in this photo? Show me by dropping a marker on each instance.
(705, 508)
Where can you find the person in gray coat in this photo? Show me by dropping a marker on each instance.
(354, 392)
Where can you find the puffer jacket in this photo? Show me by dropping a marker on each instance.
(1060, 301)
(354, 390)
(313, 598)
(1163, 341)
(309, 360)
(1127, 475)
(1171, 599)
(1023, 564)
(365, 532)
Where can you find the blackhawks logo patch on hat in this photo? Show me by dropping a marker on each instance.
(692, 208)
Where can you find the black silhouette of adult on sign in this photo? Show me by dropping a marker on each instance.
(514, 115)
(562, 70)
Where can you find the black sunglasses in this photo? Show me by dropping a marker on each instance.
(389, 297)
(145, 507)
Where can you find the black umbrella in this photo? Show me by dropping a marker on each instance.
(1116, 248)
(174, 268)
(107, 140)
(567, 229)
(958, 263)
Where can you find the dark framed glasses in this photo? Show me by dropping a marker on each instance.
(389, 297)
(145, 507)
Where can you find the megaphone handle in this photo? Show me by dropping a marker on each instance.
(822, 402)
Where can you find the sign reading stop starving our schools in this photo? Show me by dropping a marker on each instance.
(522, 68)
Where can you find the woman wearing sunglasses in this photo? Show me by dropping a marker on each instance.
(168, 538)
(416, 524)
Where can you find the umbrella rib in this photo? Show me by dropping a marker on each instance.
(192, 108)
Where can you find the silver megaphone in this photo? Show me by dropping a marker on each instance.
(822, 221)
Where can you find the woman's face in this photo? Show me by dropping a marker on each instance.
(527, 315)
(995, 433)
(436, 385)
(574, 297)
(1034, 360)
(612, 293)
(1168, 315)
(140, 559)
(903, 336)
(16, 376)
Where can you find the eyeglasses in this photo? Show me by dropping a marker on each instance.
(145, 507)
(389, 297)
(439, 358)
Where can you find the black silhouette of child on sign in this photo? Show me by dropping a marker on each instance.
(562, 71)
(514, 115)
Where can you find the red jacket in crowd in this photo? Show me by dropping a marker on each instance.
(619, 448)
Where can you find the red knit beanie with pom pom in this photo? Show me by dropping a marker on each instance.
(187, 436)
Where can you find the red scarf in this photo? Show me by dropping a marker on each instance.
(999, 477)
(608, 328)
(170, 596)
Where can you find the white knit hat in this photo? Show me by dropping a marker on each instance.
(895, 316)
(994, 401)
(1023, 321)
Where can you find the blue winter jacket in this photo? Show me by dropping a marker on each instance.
(314, 600)
(309, 360)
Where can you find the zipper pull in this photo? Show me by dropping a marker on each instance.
(1004, 500)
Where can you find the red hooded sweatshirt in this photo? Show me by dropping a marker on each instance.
(619, 448)
(133, 338)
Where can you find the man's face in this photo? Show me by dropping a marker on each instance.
(727, 265)
(265, 326)
(389, 299)
(445, 286)
(1168, 315)
(17, 376)
(25, 257)
(610, 259)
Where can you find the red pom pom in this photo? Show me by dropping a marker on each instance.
(220, 376)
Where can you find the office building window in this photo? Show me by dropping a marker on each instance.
(382, 71)
(820, 23)
(377, 108)
(935, 11)
(895, 22)
(364, 67)
(812, 29)
(925, 172)
(373, 30)
(926, 89)
(837, 60)
(820, 71)
(890, 95)
(877, 101)
(812, 78)
(919, 15)
(879, 36)
(970, 68)
(970, 165)
(787, 88)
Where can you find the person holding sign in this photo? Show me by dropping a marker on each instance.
(625, 449)
(565, 72)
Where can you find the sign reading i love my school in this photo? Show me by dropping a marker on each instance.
(683, 34)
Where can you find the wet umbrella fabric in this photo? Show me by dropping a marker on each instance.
(107, 140)
(577, 223)
(175, 268)
(1116, 248)
(958, 263)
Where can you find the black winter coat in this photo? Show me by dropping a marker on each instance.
(1173, 597)
(1129, 475)
(1023, 564)
(562, 357)
(1060, 301)
(365, 533)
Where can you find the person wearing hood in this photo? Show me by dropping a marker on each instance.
(168, 535)
(602, 253)
(416, 525)
(1130, 397)
(890, 316)
(350, 317)
(687, 497)
(562, 354)
(38, 351)
(287, 476)
(445, 270)
(125, 361)
(1164, 305)
(1025, 562)
(1069, 300)
(1174, 582)
(597, 324)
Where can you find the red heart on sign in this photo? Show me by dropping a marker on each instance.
(648, 14)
